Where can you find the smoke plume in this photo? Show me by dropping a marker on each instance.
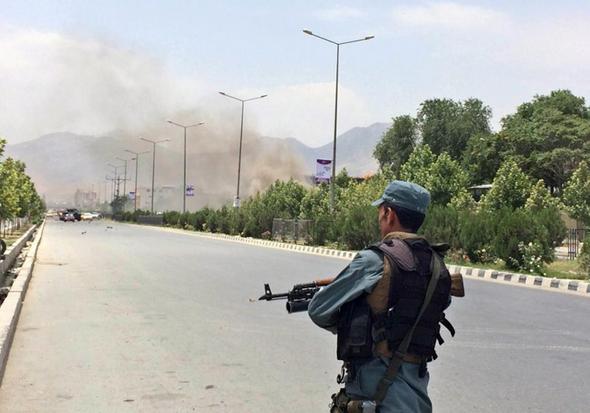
(51, 83)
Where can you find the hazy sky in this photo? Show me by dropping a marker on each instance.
(94, 67)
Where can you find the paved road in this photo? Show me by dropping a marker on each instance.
(135, 319)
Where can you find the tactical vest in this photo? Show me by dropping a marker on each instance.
(397, 298)
(375, 324)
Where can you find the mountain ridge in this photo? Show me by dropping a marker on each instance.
(59, 163)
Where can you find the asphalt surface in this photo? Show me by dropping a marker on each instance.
(135, 319)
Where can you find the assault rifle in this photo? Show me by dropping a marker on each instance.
(300, 295)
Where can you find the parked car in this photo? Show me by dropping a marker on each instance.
(87, 216)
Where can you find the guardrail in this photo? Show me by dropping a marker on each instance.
(13, 252)
(11, 307)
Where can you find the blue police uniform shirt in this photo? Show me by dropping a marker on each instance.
(408, 392)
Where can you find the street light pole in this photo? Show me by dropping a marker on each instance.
(185, 127)
(154, 143)
(237, 199)
(338, 44)
(136, 173)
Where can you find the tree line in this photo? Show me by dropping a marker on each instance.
(537, 165)
(18, 196)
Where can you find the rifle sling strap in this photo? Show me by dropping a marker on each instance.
(400, 353)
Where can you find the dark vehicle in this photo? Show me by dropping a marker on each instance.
(77, 215)
(70, 214)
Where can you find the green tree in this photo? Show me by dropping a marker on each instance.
(18, 196)
(447, 125)
(417, 168)
(463, 201)
(481, 157)
(118, 204)
(441, 175)
(343, 179)
(280, 200)
(315, 206)
(397, 143)
(9, 189)
(548, 137)
(540, 198)
(511, 188)
(356, 225)
(576, 195)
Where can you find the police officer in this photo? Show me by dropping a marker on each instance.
(390, 279)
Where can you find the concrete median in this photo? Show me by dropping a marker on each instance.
(10, 308)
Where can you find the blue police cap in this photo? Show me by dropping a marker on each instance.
(407, 195)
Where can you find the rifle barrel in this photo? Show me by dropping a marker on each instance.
(269, 297)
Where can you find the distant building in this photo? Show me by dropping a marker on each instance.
(85, 199)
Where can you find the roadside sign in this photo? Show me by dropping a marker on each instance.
(190, 190)
(323, 170)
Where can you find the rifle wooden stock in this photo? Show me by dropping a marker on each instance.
(323, 282)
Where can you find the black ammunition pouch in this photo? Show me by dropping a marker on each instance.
(354, 331)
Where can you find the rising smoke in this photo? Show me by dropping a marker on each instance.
(55, 83)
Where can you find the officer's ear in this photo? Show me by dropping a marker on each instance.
(390, 215)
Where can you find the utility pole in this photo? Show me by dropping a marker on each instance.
(136, 173)
(154, 143)
(125, 174)
(237, 198)
(185, 127)
(338, 44)
(115, 180)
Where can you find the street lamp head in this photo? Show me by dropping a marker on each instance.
(263, 96)
(222, 93)
(369, 37)
(307, 32)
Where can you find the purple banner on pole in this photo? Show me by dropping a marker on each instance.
(323, 170)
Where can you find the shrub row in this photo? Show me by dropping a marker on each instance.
(520, 237)
(524, 238)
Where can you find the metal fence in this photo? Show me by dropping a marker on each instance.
(574, 238)
(292, 230)
(151, 219)
(11, 226)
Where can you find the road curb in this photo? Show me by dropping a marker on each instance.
(12, 305)
(306, 249)
(575, 287)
